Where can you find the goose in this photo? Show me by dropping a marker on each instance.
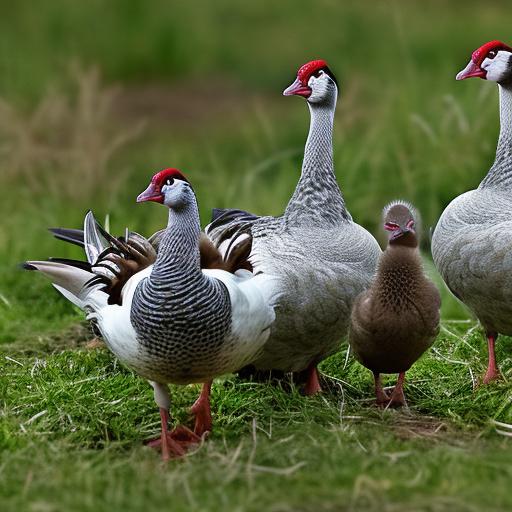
(397, 319)
(471, 244)
(324, 260)
(175, 322)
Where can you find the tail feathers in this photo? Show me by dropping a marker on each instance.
(156, 238)
(237, 252)
(228, 224)
(73, 263)
(74, 299)
(226, 215)
(94, 241)
(73, 236)
(71, 282)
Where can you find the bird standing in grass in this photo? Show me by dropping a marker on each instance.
(472, 242)
(323, 258)
(397, 319)
(172, 321)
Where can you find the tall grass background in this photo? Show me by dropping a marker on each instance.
(96, 97)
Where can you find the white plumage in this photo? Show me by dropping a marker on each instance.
(250, 299)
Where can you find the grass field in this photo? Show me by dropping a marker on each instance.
(96, 97)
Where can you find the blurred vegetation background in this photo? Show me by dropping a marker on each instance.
(97, 96)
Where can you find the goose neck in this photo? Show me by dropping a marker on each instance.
(317, 195)
(318, 150)
(500, 174)
(178, 252)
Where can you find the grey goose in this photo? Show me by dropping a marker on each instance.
(323, 258)
(472, 242)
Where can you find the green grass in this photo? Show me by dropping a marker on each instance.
(72, 423)
(199, 87)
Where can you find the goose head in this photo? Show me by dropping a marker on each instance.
(492, 61)
(400, 220)
(315, 82)
(168, 187)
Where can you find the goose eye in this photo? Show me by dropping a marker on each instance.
(169, 181)
(318, 73)
(492, 54)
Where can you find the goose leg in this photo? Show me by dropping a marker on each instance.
(312, 386)
(381, 395)
(169, 446)
(492, 372)
(172, 443)
(202, 411)
(397, 398)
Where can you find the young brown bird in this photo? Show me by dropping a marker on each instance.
(397, 318)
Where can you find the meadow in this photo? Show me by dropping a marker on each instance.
(95, 98)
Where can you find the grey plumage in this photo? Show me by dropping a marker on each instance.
(471, 244)
(323, 259)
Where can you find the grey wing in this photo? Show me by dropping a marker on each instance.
(481, 265)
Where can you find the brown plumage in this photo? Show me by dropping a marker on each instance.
(211, 258)
(397, 318)
(132, 253)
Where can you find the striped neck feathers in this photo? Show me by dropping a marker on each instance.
(317, 195)
(178, 251)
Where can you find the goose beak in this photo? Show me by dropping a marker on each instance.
(402, 232)
(471, 70)
(152, 193)
(298, 89)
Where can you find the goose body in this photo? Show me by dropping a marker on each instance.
(472, 242)
(190, 350)
(323, 259)
(174, 322)
(321, 272)
(472, 249)
(397, 319)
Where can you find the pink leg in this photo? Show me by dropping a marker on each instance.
(169, 446)
(492, 372)
(312, 386)
(175, 443)
(202, 411)
(381, 395)
(397, 397)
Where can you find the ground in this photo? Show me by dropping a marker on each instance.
(73, 420)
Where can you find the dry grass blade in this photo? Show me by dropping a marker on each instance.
(66, 142)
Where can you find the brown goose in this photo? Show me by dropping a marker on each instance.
(397, 318)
